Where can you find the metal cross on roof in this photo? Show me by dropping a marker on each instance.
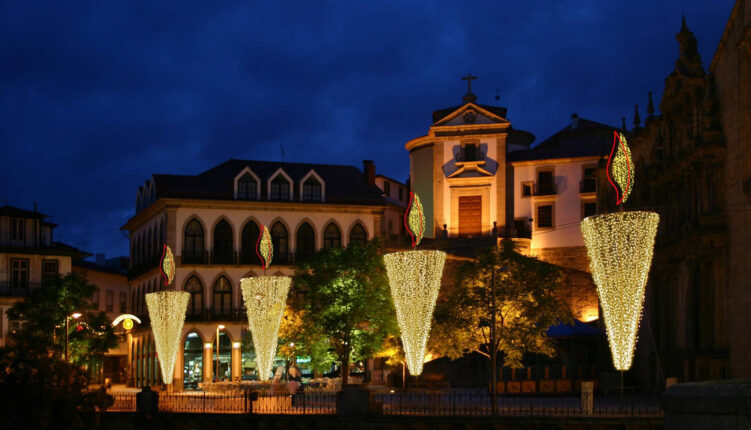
(469, 78)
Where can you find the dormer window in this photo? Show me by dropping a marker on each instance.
(311, 190)
(247, 187)
(17, 228)
(280, 188)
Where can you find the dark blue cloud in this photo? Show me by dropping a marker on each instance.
(98, 96)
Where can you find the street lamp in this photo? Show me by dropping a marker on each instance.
(219, 327)
(74, 315)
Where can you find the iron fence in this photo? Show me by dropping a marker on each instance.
(305, 403)
(123, 403)
(459, 402)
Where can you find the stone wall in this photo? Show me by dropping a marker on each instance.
(571, 257)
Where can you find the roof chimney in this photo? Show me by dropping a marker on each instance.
(574, 121)
(369, 169)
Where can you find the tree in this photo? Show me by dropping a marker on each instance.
(38, 388)
(44, 313)
(347, 301)
(526, 304)
(299, 338)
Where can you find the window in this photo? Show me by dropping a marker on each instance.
(109, 299)
(247, 187)
(249, 239)
(195, 303)
(306, 241)
(470, 152)
(280, 240)
(193, 246)
(387, 188)
(589, 181)
(526, 189)
(401, 193)
(222, 297)
(95, 299)
(280, 188)
(123, 302)
(545, 183)
(17, 229)
(223, 247)
(19, 273)
(332, 237)
(589, 209)
(358, 234)
(311, 190)
(49, 271)
(545, 216)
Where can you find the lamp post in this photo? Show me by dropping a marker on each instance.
(219, 327)
(74, 315)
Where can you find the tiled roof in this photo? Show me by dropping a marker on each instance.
(589, 138)
(344, 184)
(21, 213)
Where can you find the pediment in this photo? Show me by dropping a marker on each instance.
(470, 114)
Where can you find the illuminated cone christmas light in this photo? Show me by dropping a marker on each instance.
(167, 313)
(265, 298)
(415, 278)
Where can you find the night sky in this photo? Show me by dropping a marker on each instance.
(95, 98)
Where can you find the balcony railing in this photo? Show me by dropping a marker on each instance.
(233, 258)
(545, 189)
(194, 257)
(8, 288)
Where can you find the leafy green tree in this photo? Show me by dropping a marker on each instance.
(527, 303)
(38, 388)
(347, 302)
(44, 313)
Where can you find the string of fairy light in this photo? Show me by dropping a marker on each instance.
(620, 248)
(415, 279)
(167, 313)
(265, 298)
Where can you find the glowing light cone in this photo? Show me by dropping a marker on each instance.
(167, 313)
(620, 252)
(265, 298)
(415, 278)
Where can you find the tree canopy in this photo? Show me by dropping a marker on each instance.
(347, 303)
(526, 304)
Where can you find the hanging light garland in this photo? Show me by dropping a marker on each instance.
(167, 313)
(265, 298)
(167, 266)
(620, 248)
(414, 219)
(415, 278)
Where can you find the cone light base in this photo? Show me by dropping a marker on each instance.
(620, 247)
(265, 298)
(415, 279)
(167, 313)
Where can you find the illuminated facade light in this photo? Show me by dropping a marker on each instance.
(415, 278)
(265, 247)
(167, 266)
(167, 313)
(265, 298)
(414, 219)
(620, 248)
(236, 345)
(620, 168)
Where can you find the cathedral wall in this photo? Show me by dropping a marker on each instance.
(731, 71)
(421, 171)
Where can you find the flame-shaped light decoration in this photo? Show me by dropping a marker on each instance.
(415, 278)
(620, 168)
(414, 219)
(167, 313)
(167, 266)
(265, 247)
(265, 298)
(620, 247)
